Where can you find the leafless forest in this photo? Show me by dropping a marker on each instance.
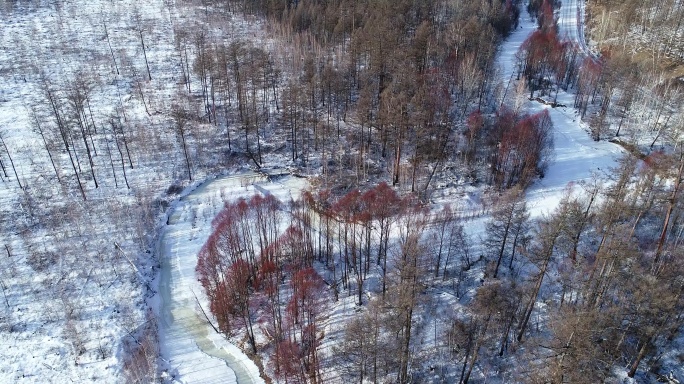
(393, 110)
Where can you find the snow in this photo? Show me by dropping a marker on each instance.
(578, 158)
(571, 24)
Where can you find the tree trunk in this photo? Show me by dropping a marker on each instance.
(670, 207)
(635, 365)
(47, 148)
(547, 252)
(110, 48)
(185, 153)
(142, 41)
(2, 140)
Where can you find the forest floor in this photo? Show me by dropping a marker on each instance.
(577, 157)
(654, 46)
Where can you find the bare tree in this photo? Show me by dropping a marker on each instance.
(14, 169)
(507, 227)
(56, 109)
(540, 254)
(181, 119)
(140, 27)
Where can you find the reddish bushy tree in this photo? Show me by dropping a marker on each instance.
(302, 233)
(543, 55)
(357, 215)
(287, 362)
(296, 248)
(249, 272)
(523, 149)
(321, 203)
(265, 212)
(228, 268)
(233, 303)
(474, 125)
(269, 281)
(347, 209)
(545, 17)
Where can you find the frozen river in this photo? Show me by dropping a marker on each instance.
(194, 351)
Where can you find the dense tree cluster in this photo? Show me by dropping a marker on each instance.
(524, 144)
(605, 268)
(629, 21)
(619, 276)
(358, 92)
(394, 80)
(125, 103)
(257, 276)
(399, 95)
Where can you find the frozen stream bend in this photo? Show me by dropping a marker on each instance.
(194, 352)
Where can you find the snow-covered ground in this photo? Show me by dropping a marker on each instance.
(571, 24)
(577, 158)
(73, 273)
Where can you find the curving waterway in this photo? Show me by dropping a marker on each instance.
(191, 347)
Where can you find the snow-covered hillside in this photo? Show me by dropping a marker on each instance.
(78, 253)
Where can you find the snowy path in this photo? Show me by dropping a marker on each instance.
(571, 24)
(193, 350)
(576, 156)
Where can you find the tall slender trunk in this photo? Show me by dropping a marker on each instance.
(128, 153)
(250, 333)
(547, 252)
(47, 148)
(504, 240)
(123, 162)
(111, 162)
(142, 97)
(406, 348)
(81, 125)
(2, 140)
(533, 299)
(110, 47)
(4, 171)
(147, 64)
(78, 179)
(476, 351)
(670, 207)
(635, 365)
(187, 158)
(397, 159)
